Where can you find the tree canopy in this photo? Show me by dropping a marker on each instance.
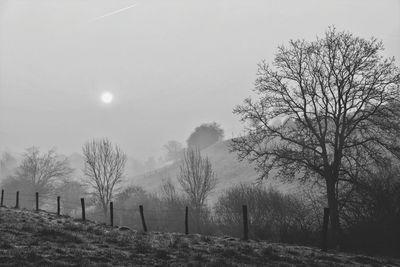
(205, 135)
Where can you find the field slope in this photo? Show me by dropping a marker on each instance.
(30, 238)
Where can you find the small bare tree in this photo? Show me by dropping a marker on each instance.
(104, 167)
(196, 177)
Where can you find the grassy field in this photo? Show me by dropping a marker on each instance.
(29, 238)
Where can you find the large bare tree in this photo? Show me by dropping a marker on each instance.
(323, 108)
(196, 177)
(104, 168)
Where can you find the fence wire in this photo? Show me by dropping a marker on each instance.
(156, 218)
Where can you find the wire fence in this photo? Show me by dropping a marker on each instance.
(140, 217)
(47, 202)
(146, 218)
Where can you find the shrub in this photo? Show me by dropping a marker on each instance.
(372, 216)
(272, 215)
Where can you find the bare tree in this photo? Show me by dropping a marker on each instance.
(196, 177)
(322, 107)
(37, 172)
(42, 171)
(104, 168)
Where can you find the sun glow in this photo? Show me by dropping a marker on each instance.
(106, 97)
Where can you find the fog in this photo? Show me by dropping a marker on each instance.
(117, 131)
(170, 64)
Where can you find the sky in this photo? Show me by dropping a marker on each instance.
(171, 65)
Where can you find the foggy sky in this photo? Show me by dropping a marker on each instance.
(171, 64)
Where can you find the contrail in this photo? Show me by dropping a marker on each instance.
(113, 13)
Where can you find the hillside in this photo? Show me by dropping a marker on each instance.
(30, 238)
(229, 170)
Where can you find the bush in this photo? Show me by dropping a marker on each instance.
(272, 215)
(372, 216)
(164, 213)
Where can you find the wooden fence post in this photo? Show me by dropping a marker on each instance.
(142, 217)
(111, 213)
(325, 230)
(186, 220)
(17, 201)
(83, 209)
(37, 201)
(58, 206)
(245, 223)
(2, 198)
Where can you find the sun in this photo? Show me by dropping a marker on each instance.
(107, 97)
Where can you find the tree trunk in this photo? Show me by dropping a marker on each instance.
(334, 212)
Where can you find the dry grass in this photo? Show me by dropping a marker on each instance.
(43, 239)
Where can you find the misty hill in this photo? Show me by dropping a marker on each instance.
(229, 170)
(29, 238)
